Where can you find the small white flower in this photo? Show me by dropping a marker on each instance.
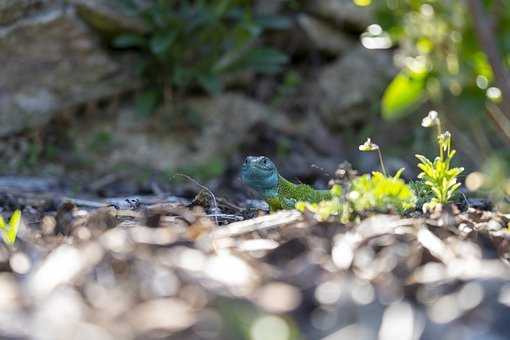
(444, 139)
(368, 146)
(444, 136)
(432, 119)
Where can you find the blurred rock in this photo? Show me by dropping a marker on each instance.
(28, 184)
(164, 315)
(51, 62)
(220, 124)
(227, 118)
(325, 37)
(343, 13)
(346, 90)
(48, 321)
(62, 266)
(278, 297)
(12, 10)
(232, 272)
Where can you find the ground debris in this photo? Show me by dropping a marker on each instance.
(259, 224)
(166, 269)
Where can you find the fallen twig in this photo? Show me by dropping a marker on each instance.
(215, 208)
(275, 220)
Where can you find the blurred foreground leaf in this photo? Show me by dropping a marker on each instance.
(10, 231)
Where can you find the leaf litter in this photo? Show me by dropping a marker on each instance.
(168, 268)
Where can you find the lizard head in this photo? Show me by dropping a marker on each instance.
(260, 173)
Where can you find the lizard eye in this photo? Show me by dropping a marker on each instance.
(264, 161)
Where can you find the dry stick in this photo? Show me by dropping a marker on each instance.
(215, 204)
(276, 220)
(483, 29)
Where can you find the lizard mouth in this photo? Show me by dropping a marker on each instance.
(261, 168)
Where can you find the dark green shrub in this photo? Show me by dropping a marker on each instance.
(193, 44)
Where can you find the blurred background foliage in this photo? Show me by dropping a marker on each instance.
(441, 60)
(194, 44)
(453, 56)
(206, 82)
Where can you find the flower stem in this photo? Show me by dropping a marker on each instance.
(382, 163)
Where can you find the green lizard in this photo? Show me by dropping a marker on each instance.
(261, 174)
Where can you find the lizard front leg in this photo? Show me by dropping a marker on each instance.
(288, 203)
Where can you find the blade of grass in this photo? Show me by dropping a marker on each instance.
(9, 232)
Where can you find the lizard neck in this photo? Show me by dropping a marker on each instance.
(267, 187)
(284, 185)
(274, 190)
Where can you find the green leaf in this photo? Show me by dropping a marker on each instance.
(147, 102)
(210, 83)
(266, 60)
(336, 190)
(9, 235)
(221, 8)
(262, 60)
(452, 190)
(436, 192)
(161, 43)
(423, 159)
(427, 170)
(398, 173)
(404, 93)
(129, 41)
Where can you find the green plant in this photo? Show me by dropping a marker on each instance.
(190, 44)
(9, 231)
(438, 175)
(378, 191)
(368, 192)
(422, 192)
(450, 54)
(382, 193)
(438, 53)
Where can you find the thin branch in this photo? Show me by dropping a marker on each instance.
(215, 208)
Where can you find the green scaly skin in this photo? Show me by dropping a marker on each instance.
(261, 174)
(289, 194)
